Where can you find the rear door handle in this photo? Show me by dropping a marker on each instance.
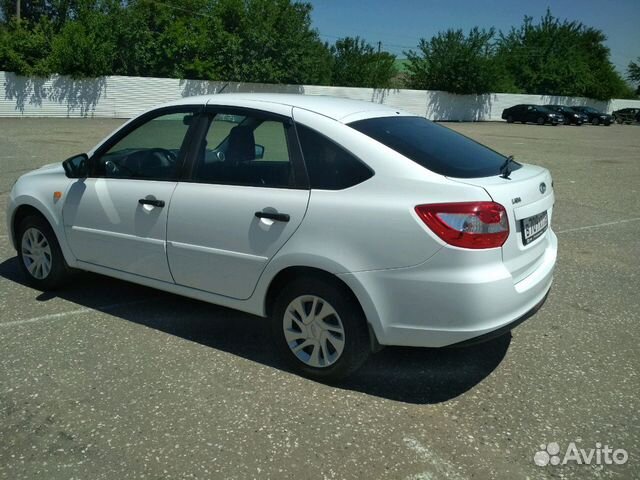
(148, 201)
(279, 217)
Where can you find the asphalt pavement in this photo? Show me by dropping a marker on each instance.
(108, 380)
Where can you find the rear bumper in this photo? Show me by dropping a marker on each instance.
(502, 330)
(455, 297)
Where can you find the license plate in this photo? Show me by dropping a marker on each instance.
(533, 227)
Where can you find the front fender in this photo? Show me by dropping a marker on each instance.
(37, 191)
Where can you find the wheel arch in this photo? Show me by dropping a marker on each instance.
(288, 274)
(28, 206)
(20, 213)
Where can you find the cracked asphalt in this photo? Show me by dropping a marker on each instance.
(109, 380)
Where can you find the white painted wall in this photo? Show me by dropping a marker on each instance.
(124, 97)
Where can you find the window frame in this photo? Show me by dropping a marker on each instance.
(201, 129)
(185, 148)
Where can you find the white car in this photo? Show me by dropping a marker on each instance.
(351, 225)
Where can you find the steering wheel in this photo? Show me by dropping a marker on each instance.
(113, 169)
(170, 156)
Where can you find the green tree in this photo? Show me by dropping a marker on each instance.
(86, 45)
(239, 40)
(633, 73)
(454, 62)
(25, 47)
(357, 64)
(269, 41)
(555, 57)
(236, 40)
(57, 11)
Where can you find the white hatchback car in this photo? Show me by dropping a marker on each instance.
(351, 225)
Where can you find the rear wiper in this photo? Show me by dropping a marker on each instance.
(505, 171)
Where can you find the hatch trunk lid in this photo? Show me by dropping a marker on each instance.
(526, 196)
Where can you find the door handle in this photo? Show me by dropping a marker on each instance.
(279, 217)
(148, 201)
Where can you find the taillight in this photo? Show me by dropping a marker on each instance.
(467, 225)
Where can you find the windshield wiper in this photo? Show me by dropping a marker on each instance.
(505, 170)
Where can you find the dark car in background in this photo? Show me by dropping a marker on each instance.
(570, 115)
(596, 117)
(526, 113)
(626, 115)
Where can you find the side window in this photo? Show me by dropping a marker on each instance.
(245, 150)
(151, 151)
(330, 167)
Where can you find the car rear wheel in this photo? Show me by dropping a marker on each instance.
(319, 329)
(39, 254)
(510, 119)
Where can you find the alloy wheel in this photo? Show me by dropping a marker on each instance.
(36, 253)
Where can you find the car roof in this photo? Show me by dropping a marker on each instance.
(332, 107)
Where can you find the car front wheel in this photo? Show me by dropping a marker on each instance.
(540, 121)
(320, 329)
(596, 121)
(39, 254)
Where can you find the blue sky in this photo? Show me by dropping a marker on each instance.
(399, 24)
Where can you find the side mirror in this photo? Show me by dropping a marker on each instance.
(259, 152)
(76, 166)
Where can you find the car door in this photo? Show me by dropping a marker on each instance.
(519, 114)
(246, 195)
(532, 114)
(117, 217)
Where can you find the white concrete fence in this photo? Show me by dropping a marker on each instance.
(124, 97)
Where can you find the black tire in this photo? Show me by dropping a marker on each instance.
(540, 121)
(510, 119)
(356, 335)
(595, 121)
(59, 272)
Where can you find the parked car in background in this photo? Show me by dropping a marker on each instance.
(596, 117)
(348, 224)
(627, 115)
(570, 115)
(526, 113)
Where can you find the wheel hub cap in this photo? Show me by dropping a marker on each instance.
(36, 253)
(313, 331)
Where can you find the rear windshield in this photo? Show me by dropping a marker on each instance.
(433, 146)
